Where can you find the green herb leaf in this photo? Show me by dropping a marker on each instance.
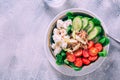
(69, 29)
(103, 53)
(74, 67)
(66, 61)
(102, 32)
(96, 21)
(89, 18)
(59, 59)
(72, 64)
(58, 62)
(107, 41)
(63, 54)
(104, 41)
(70, 15)
(77, 68)
(81, 16)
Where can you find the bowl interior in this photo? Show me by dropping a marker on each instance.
(65, 69)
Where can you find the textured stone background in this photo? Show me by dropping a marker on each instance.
(22, 27)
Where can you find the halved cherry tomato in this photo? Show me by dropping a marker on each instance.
(93, 58)
(85, 53)
(90, 44)
(93, 51)
(71, 57)
(78, 53)
(78, 62)
(99, 46)
(85, 61)
(91, 54)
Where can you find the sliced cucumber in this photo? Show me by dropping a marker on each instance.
(85, 22)
(77, 24)
(100, 29)
(96, 39)
(90, 26)
(96, 30)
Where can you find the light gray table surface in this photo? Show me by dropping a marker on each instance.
(23, 25)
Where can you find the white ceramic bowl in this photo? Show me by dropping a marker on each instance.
(65, 69)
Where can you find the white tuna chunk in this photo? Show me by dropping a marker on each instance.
(57, 38)
(57, 50)
(59, 24)
(67, 23)
(63, 32)
(56, 31)
(53, 46)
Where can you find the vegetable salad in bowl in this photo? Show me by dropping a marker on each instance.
(77, 40)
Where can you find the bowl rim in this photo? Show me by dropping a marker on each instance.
(49, 55)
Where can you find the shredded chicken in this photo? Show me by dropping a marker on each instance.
(83, 35)
(80, 41)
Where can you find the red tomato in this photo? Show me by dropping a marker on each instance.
(90, 44)
(93, 58)
(68, 53)
(85, 53)
(93, 51)
(85, 61)
(78, 53)
(78, 62)
(71, 57)
(91, 54)
(98, 46)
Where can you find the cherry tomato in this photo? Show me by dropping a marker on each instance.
(68, 53)
(91, 54)
(99, 46)
(78, 53)
(93, 58)
(85, 61)
(78, 62)
(90, 44)
(93, 51)
(85, 53)
(71, 57)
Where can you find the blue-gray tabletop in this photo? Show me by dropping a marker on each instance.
(23, 24)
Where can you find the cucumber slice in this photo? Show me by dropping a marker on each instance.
(96, 39)
(94, 33)
(100, 29)
(77, 24)
(85, 22)
(90, 26)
